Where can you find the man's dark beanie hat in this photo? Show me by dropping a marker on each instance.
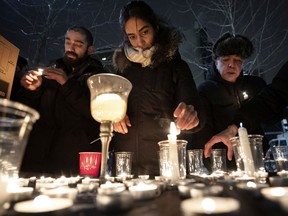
(229, 44)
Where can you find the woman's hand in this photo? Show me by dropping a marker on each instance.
(122, 126)
(186, 117)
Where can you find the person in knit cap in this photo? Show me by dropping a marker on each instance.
(226, 89)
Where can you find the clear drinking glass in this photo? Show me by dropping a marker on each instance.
(218, 160)
(167, 165)
(16, 121)
(280, 154)
(257, 160)
(195, 162)
(123, 163)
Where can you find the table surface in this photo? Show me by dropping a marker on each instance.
(168, 204)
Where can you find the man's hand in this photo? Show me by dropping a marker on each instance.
(186, 117)
(122, 126)
(224, 136)
(56, 74)
(32, 80)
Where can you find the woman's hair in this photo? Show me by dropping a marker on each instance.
(138, 9)
(141, 10)
(229, 44)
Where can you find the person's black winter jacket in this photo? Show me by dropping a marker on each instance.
(221, 100)
(65, 127)
(157, 90)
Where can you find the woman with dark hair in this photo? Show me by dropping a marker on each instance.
(226, 88)
(163, 86)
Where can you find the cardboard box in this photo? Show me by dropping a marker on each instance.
(8, 61)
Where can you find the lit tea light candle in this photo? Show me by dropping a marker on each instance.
(283, 173)
(111, 188)
(88, 180)
(61, 192)
(245, 178)
(42, 204)
(251, 187)
(209, 205)
(275, 193)
(144, 177)
(144, 191)
(17, 193)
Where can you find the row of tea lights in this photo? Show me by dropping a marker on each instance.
(124, 193)
(64, 190)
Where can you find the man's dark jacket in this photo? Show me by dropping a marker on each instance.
(270, 102)
(66, 126)
(221, 100)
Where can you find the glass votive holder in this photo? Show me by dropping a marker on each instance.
(218, 161)
(172, 160)
(123, 163)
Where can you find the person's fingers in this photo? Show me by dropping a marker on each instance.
(229, 148)
(179, 109)
(186, 117)
(207, 149)
(120, 127)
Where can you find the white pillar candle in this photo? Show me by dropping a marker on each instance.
(173, 153)
(245, 145)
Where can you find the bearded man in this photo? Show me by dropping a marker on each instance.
(61, 95)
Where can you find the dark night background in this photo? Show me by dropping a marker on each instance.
(37, 27)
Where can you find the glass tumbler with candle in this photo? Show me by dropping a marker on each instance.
(280, 154)
(108, 94)
(256, 149)
(16, 121)
(123, 163)
(166, 160)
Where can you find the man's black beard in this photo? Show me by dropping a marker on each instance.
(74, 62)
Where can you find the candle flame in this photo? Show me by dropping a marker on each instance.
(174, 131)
(209, 205)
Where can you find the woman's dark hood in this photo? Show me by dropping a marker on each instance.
(166, 44)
